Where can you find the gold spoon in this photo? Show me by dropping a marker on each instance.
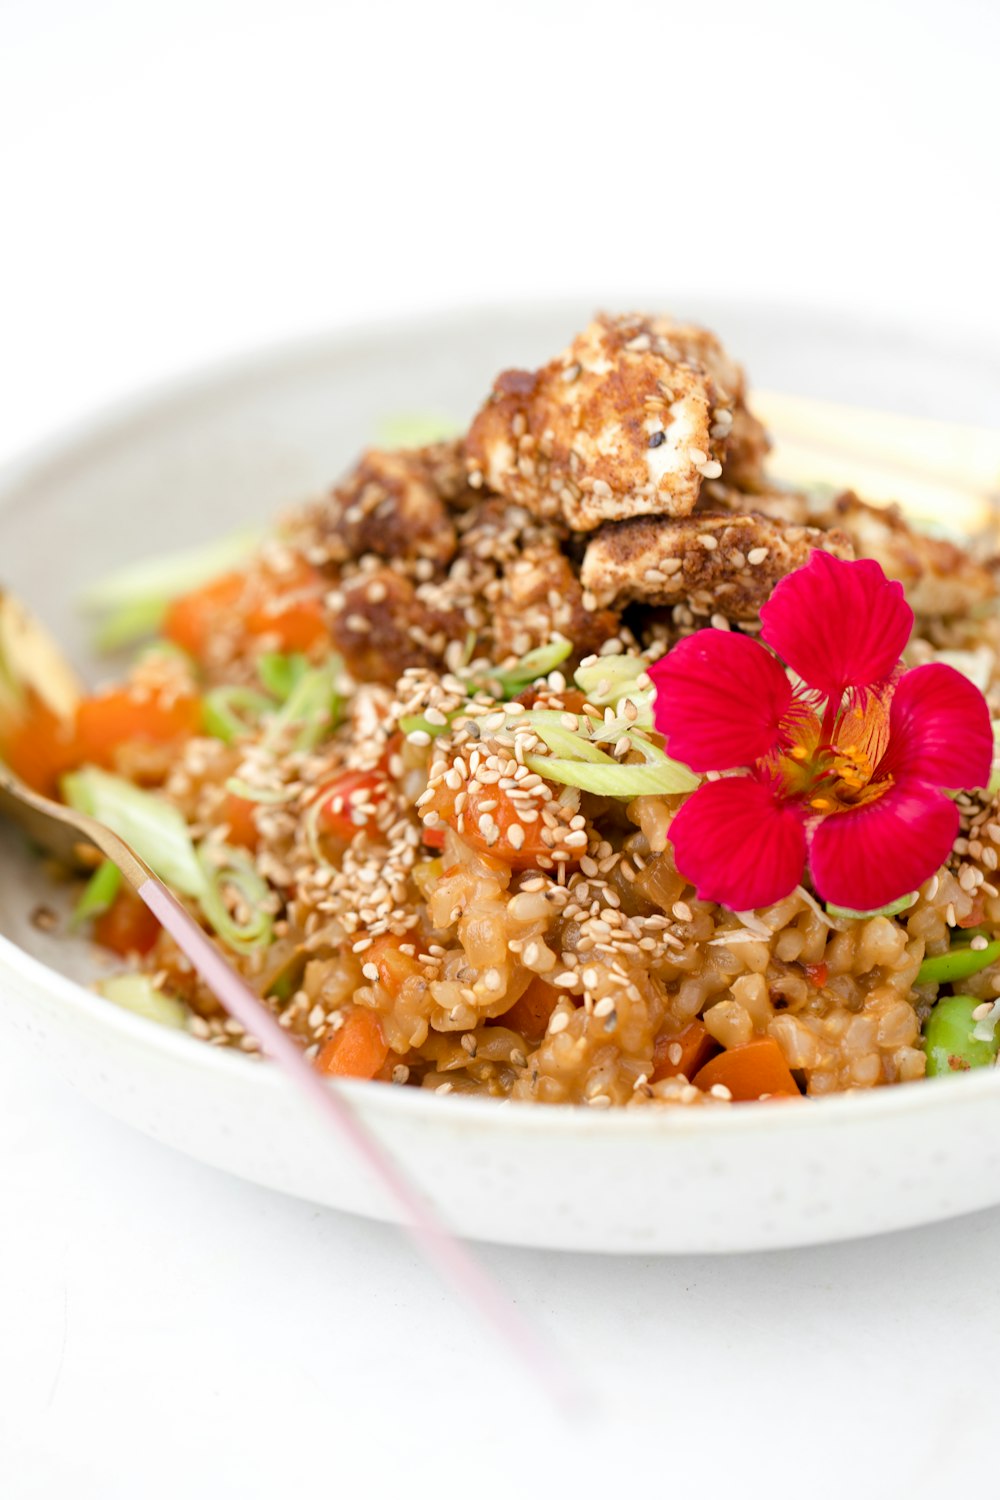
(66, 833)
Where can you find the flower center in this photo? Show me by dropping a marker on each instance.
(830, 777)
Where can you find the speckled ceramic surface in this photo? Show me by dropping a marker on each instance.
(236, 447)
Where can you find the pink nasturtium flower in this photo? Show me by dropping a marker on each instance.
(846, 758)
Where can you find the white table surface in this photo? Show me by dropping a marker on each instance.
(180, 181)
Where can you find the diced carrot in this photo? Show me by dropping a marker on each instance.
(239, 815)
(128, 925)
(394, 967)
(285, 605)
(40, 748)
(520, 853)
(345, 796)
(111, 719)
(530, 1014)
(696, 1044)
(756, 1068)
(358, 1050)
(297, 627)
(193, 619)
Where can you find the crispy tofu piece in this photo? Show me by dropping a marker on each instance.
(628, 421)
(767, 500)
(939, 578)
(381, 624)
(392, 504)
(539, 596)
(716, 564)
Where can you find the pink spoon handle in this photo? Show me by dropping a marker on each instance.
(455, 1264)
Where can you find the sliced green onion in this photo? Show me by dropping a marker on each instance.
(268, 796)
(131, 602)
(129, 623)
(135, 992)
(97, 895)
(228, 713)
(533, 665)
(614, 780)
(313, 707)
(957, 964)
(224, 866)
(951, 1038)
(281, 672)
(850, 914)
(417, 724)
(606, 681)
(415, 429)
(154, 828)
(563, 741)
(611, 730)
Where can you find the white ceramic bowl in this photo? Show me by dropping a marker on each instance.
(239, 445)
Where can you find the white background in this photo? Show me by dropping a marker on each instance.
(180, 181)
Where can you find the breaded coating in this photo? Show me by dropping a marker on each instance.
(628, 421)
(716, 564)
(747, 443)
(746, 451)
(539, 597)
(391, 505)
(769, 500)
(939, 578)
(381, 624)
(516, 586)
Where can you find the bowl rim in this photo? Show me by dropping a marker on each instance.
(112, 421)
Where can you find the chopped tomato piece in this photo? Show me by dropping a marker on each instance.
(817, 974)
(128, 925)
(756, 1068)
(571, 699)
(41, 748)
(358, 1050)
(110, 719)
(531, 1013)
(696, 1047)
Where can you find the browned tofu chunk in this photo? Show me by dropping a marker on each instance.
(538, 597)
(630, 420)
(939, 578)
(767, 500)
(392, 505)
(716, 564)
(381, 625)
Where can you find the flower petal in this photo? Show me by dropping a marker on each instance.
(939, 730)
(837, 624)
(875, 853)
(738, 843)
(720, 698)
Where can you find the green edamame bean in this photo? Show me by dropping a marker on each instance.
(959, 963)
(948, 1040)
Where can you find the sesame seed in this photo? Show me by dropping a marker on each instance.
(757, 555)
